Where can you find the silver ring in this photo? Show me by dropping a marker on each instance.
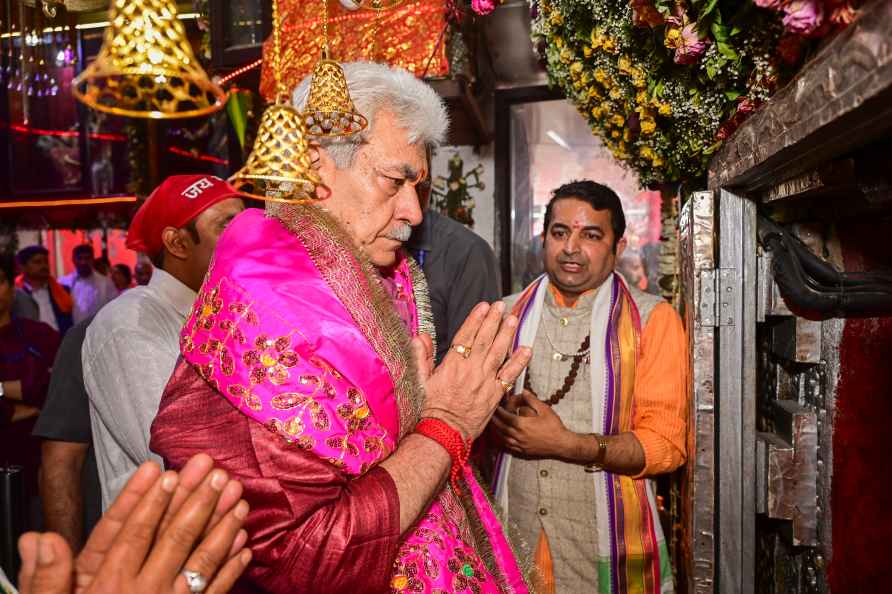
(196, 582)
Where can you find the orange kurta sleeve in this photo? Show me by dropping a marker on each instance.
(660, 405)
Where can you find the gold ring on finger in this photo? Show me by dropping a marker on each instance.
(464, 351)
(506, 386)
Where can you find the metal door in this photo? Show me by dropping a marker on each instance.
(717, 232)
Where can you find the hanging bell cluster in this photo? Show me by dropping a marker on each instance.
(279, 168)
(329, 110)
(146, 67)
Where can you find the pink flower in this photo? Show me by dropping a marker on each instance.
(772, 4)
(687, 43)
(483, 7)
(645, 14)
(803, 16)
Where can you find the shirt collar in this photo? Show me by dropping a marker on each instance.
(586, 298)
(175, 292)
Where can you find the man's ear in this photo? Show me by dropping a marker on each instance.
(325, 166)
(175, 243)
(621, 247)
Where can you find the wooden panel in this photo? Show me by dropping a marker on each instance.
(736, 407)
(840, 100)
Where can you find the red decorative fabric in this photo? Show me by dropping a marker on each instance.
(311, 528)
(861, 498)
(411, 36)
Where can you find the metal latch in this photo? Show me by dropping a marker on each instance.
(718, 297)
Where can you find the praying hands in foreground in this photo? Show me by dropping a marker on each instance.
(161, 527)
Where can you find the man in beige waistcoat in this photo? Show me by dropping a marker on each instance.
(599, 411)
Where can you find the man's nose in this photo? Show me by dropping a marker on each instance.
(571, 246)
(410, 206)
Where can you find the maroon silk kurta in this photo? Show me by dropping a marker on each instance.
(311, 529)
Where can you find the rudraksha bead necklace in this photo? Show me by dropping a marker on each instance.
(570, 379)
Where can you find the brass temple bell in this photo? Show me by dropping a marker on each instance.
(146, 67)
(329, 110)
(278, 168)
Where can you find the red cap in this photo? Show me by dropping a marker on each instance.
(178, 200)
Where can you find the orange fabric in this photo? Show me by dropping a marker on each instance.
(660, 400)
(544, 577)
(562, 301)
(62, 297)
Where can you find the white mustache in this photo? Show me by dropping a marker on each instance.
(400, 233)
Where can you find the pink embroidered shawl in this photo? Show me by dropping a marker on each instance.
(298, 333)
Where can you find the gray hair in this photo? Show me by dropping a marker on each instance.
(415, 105)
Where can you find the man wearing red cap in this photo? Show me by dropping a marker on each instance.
(133, 343)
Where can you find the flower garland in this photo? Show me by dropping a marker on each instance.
(664, 82)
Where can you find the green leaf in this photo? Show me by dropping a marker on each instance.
(712, 148)
(237, 108)
(726, 50)
(732, 95)
(707, 9)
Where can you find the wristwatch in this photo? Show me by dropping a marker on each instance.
(599, 457)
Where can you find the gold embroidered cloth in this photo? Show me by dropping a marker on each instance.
(411, 36)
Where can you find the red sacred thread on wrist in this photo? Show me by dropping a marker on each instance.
(452, 442)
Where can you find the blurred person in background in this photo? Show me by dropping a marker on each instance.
(102, 266)
(89, 289)
(27, 350)
(459, 265)
(142, 273)
(69, 479)
(122, 277)
(38, 295)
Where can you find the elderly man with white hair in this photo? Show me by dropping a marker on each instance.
(307, 374)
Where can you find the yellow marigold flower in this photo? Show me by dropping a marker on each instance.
(597, 38)
(615, 134)
(665, 109)
(624, 64)
(576, 68)
(641, 97)
(594, 93)
(648, 125)
(556, 18)
(600, 75)
(616, 93)
(587, 76)
(673, 37)
(657, 161)
(587, 51)
(605, 105)
(639, 82)
(646, 152)
(609, 45)
(567, 55)
(627, 135)
(597, 112)
(559, 41)
(617, 120)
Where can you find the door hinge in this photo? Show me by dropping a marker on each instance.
(718, 297)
